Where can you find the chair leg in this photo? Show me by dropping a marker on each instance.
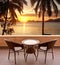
(45, 56)
(35, 56)
(52, 54)
(26, 57)
(18, 52)
(9, 54)
(37, 52)
(24, 53)
(15, 56)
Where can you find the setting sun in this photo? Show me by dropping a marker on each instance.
(23, 18)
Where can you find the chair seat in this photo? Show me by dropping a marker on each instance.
(17, 48)
(43, 48)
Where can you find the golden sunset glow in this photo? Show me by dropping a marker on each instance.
(33, 18)
(23, 18)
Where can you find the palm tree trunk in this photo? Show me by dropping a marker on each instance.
(4, 28)
(43, 23)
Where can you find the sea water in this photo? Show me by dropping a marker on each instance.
(35, 28)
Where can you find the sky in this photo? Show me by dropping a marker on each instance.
(28, 9)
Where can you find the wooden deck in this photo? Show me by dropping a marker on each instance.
(31, 58)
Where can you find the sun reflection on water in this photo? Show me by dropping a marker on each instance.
(24, 28)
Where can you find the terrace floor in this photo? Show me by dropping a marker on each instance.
(30, 59)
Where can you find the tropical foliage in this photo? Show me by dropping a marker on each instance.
(42, 6)
(10, 7)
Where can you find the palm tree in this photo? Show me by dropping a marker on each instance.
(9, 7)
(42, 6)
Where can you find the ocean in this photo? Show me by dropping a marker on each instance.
(35, 28)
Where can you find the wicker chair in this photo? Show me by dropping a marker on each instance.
(13, 47)
(46, 46)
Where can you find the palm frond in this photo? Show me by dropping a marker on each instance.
(15, 6)
(24, 2)
(39, 14)
(55, 8)
(58, 1)
(20, 1)
(3, 7)
(13, 21)
(12, 12)
(48, 6)
(20, 10)
(43, 5)
(37, 6)
(33, 2)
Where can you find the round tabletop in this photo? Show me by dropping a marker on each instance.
(30, 42)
